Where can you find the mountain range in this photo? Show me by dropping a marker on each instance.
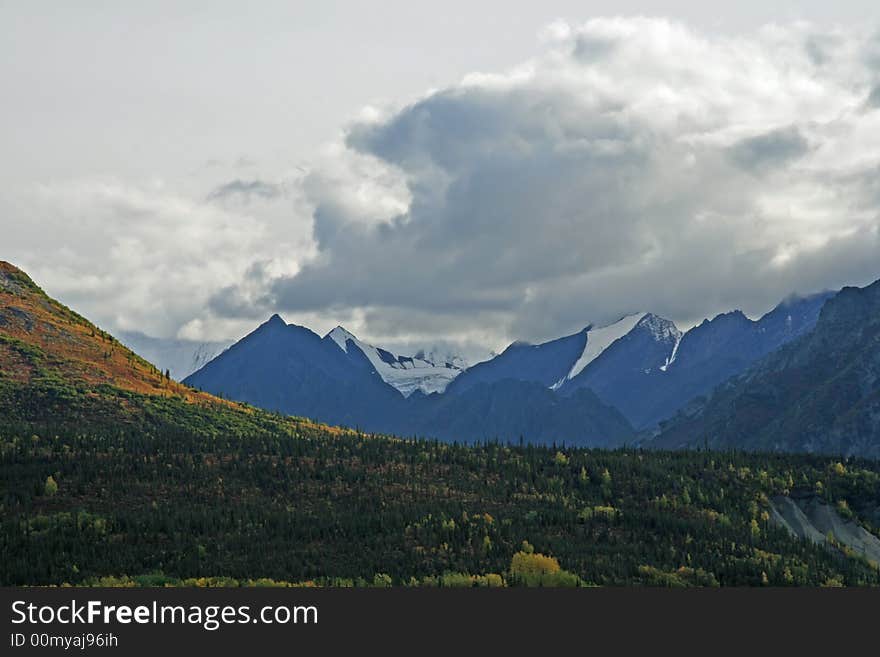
(804, 377)
(654, 370)
(604, 386)
(339, 380)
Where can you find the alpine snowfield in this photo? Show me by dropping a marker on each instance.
(406, 373)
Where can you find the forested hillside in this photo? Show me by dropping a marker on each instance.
(164, 504)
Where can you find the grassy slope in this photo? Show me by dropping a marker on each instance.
(57, 367)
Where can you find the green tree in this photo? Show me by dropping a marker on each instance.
(584, 476)
(755, 528)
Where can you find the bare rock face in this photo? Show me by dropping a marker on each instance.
(817, 521)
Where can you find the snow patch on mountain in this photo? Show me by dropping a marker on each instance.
(598, 340)
(406, 373)
(671, 359)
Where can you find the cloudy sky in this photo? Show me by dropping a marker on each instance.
(468, 176)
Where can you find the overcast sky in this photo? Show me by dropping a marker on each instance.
(470, 172)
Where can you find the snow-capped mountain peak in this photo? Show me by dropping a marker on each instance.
(662, 329)
(341, 336)
(406, 373)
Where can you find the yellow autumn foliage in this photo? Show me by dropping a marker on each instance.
(528, 565)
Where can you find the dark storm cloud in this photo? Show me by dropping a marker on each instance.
(245, 190)
(247, 298)
(771, 149)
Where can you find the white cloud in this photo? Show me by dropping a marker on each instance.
(148, 258)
